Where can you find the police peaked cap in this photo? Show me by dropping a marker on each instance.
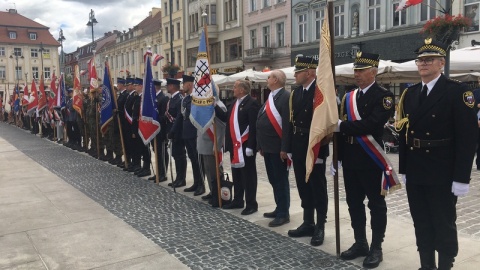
(121, 81)
(138, 81)
(305, 62)
(157, 82)
(432, 48)
(173, 81)
(365, 60)
(187, 78)
(130, 81)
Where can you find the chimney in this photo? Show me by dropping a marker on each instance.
(12, 11)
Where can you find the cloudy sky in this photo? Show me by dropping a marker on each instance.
(72, 16)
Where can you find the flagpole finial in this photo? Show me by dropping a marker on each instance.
(149, 47)
(106, 57)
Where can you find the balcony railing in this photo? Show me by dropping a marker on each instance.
(264, 53)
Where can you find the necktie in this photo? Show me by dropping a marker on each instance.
(304, 92)
(360, 94)
(423, 94)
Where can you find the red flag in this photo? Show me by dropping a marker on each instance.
(407, 3)
(52, 101)
(33, 101)
(77, 92)
(325, 113)
(92, 74)
(42, 97)
(156, 59)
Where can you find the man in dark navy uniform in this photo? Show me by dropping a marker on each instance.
(437, 146)
(162, 152)
(122, 99)
(189, 136)
(141, 151)
(313, 194)
(178, 145)
(128, 111)
(362, 176)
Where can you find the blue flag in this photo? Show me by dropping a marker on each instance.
(202, 110)
(107, 104)
(62, 100)
(148, 126)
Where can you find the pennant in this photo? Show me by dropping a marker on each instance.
(203, 98)
(92, 74)
(107, 103)
(148, 125)
(407, 3)
(77, 92)
(325, 113)
(33, 101)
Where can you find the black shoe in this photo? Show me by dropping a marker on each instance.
(270, 215)
(145, 172)
(207, 197)
(138, 170)
(358, 249)
(248, 211)
(278, 221)
(233, 205)
(152, 178)
(200, 190)
(318, 236)
(162, 179)
(121, 165)
(191, 189)
(134, 168)
(181, 183)
(306, 229)
(373, 259)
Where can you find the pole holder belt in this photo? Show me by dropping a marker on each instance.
(300, 130)
(417, 143)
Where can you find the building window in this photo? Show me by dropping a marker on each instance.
(33, 36)
(427, 10)
(266, 3)
(471, 11)
(253, 38)
(18, 73)
(12, 35)
(133, 57)
(339, 20)
(34, 53)
(178, 5)
(179, 60)
(192, 56)
(400, 17)
(167, 56)
(373, 14)
(35, 72)
(46, 72)
(178, 30)
(166, 34)
(2, 51)
(230, 10)
(17, 51)
(302, 28)
(266, 36)
(253, 5)
(215, 53)
(280, 1)
(165, 8)
(213, 14)
(193, 22)
(172, 34)
(281, 34)
(2, 72)
(127, 58)
(319, 15)
(233, 49)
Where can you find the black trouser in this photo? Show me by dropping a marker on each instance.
(361, 183)
(191, 146)
(178, 153)
(245, 182)
(161, 158)
(278, 177)
(433, 210)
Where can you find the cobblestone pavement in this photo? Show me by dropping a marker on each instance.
(199, 236)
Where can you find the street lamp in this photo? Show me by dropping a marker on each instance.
(91, 22)
(172, 71)
(17, 74)
(60, 39)
(41, 50)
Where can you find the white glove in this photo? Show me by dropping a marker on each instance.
(249, 152)
(332, 169)
(337, 129)
(459, 189)
(404, 179)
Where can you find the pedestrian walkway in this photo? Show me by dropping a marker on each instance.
(61, 209)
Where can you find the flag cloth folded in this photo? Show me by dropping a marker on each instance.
(53, 92)
(202, 110)
(407, 3)
(77, 92)
(61, 100)
(107, 103)
(148, 126)
(92, 74)
(156, 58)
(25, 95)
(42, 97)
(325, 113)
(32, 106)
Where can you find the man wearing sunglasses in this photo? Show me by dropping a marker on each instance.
(438, 126)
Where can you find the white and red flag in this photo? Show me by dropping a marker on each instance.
(33, 101)
(325, 113)
(407, 3)
(92, 74)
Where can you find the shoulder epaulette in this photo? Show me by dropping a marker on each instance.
(454, 81)
(414, 85)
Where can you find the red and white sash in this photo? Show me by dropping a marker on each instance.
(276, 121)
(238, 160)
(128, 117)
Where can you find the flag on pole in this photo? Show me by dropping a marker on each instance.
(156, 58)
(202, 110)
(61, 101)
(325, 113)
(77, 92)
(107, 103)
(407, 3)
(92, 74)
(53, 92)
(42, 97)
(25, 95)
(148, 126)
(33, 101)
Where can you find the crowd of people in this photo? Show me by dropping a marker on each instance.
(436, 120)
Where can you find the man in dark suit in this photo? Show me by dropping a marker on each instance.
(175, 134)
(162, 152)
(241, 117)
(362, 176)
(436, 153)
(120, 113)
(273, 143)
(128, 112)
(189, 136)
(313, 193)
(141, 151)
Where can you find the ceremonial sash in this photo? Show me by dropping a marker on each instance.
(238, 160)
(212, 137)
(128, 117)
(167, 114)
(276, 121)
(390, 180)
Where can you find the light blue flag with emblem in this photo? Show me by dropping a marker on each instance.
(202, 110)
(108, 104)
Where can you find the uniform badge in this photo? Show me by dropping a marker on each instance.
(469, 99)
(387, 103)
